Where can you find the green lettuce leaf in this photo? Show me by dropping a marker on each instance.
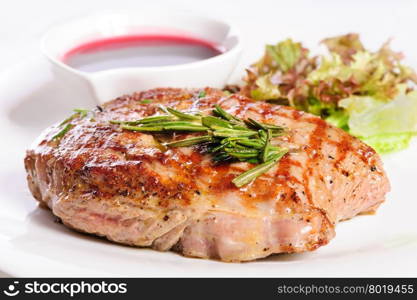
(386, 126)
(266, 89)
(280, 57)
(344, 45)
(331, 67)
(366, 74)
(369, 116)
(339, 118)
(285, 54)
(369, 94)
(388, 143)
(288, 64)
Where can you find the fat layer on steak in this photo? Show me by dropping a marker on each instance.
(122, 185)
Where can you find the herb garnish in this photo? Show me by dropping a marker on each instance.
(202, 94)
(82, 113)
(145, 101)
(250, 175)
(226, 137)
(60, 134)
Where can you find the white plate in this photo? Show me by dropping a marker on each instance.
(32, 244)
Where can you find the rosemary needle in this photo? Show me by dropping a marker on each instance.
(253, 173)
(181, 115)
(63, 131)
(190, 141)
(144, 120)
(78, 112)
(145, 101)
(141, 128)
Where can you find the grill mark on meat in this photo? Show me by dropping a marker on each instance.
(119, 184)
(343, 148)
(314, 152)
(283, 173)
(297, 114)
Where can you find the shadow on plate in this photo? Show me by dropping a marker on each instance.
(46, 104)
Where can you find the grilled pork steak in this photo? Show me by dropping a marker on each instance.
(122, 185)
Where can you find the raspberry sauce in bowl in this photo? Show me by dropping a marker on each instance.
(115, 53)
(139, 51)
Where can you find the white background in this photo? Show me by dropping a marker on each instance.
(22, 22)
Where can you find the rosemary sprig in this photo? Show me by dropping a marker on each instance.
(257, 144)
(202, 94)
(227, 137)
(253, 173)
(190, 141)
(225, 115)
(141, 128)
(78, 112)
(213, 122)
(145, 101)
(165, 126)
(63, 131)
(144, 120)
(185, 127)
(266, 151)
(180, 115)
(81, 111)
(234, 133)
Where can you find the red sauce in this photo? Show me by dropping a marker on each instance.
(139, 51)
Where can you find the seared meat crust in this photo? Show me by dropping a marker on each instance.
(122, 185)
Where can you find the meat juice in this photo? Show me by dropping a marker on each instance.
(139, 51)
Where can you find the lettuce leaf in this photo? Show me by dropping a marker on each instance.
(348, 70)
(339, 118)
(369, 116)
(344, 45)
(370, 94)
(266, 89)
(285, 54)
(386, 126)
(280, 74)
(365, 74)
(388, 143)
